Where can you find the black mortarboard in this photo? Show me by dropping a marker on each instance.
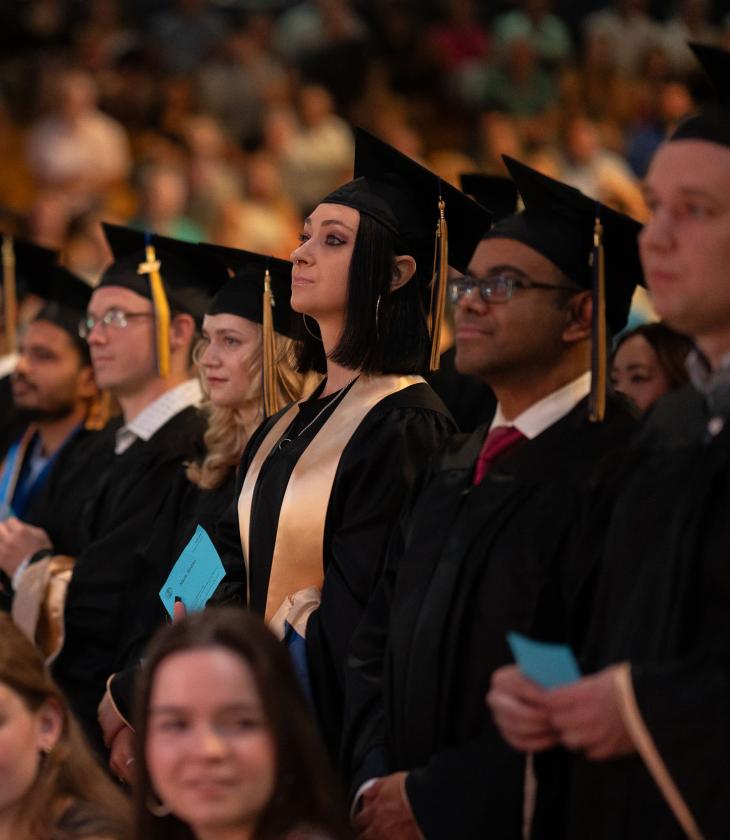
(495, 192)
(24, 263)
(66, 297)
(31, 262)
(558, 222)
(260, 291)
(243, 295)
(170, 272)
(594, 246)
(712, 122)
(427, 214)
(190, 277)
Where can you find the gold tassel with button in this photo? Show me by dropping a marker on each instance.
(161, 309)
(271, 402)
(438, 286)
(597, 399)
(10, 294)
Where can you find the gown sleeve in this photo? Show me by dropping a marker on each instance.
(378, 467)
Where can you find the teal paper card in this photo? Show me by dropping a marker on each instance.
(195, 575)
(549, 665)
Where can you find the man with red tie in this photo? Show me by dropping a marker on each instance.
(479, 548)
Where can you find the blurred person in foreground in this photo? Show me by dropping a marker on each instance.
(50, 784)
(226, 748)
(647, 727)
(648, 362)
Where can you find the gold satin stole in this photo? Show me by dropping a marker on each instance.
(298, 560)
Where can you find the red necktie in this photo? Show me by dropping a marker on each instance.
(499, 440)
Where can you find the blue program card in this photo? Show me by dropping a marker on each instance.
(195, 575)
(547, 664)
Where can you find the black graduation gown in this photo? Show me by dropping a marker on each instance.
(56, 494)
(109, 520)
(11, 423)
(470, 402)
(186, 507)
(378, 465)
(466, 565)
(663, 604)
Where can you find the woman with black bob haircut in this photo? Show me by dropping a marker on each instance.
(225, 745)
(322, 482)
(397, 339)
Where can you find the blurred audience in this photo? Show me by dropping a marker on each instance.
(208, 121)
(74, 147)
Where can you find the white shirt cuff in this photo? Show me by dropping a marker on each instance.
(19, 572)
(358, 794)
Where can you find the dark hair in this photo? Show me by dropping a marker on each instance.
(69, 774)
(385, 331)
(670, 347)
(304, 795)
(67, 320)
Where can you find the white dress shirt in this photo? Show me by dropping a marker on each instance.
(542, 414)
(152, 418)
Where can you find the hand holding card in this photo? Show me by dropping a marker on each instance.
(195, 575)
(547, 664)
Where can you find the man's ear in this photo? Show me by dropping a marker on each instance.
(580, 318)
(182, 330)
(404, 267)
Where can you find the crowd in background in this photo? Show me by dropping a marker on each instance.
(226, 121)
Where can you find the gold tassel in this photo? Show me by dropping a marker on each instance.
(10, 294)
(597, 402)
(271, 402)
(438, 286)
(100, 412)
(161, 309)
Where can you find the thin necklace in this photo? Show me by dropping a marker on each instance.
(284, 442)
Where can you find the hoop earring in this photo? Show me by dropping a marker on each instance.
(377, 316)
(157, 809)
(306, 327)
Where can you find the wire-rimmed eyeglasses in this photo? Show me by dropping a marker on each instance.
(116, 318)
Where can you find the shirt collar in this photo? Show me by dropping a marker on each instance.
(712, 383)
(547, 411)
(702, 376)
(152, 418)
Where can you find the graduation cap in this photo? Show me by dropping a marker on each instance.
(712, 122)
(260, 291)
(594, 246)
(495, 192)
(415, 205)
(66, 298)
(169, 272)
(23, 264)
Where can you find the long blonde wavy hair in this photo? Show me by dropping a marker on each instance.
(228, 429)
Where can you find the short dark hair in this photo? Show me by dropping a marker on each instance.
(670, 347)
(304, 789)
(385, 331)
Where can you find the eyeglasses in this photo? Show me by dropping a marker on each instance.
(116, 318)
(498, 288)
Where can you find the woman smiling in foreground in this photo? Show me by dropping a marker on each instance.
(226, 747)
(322, 482)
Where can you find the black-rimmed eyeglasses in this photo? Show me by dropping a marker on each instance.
(497, 288)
